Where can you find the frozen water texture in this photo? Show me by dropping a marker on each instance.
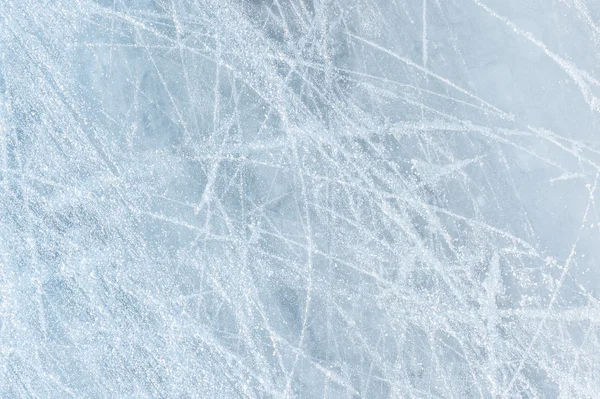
(299, 198)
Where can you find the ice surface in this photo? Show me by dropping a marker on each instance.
(299, 198)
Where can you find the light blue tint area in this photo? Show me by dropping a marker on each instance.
(299, 198)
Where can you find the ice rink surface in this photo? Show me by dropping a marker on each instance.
(299, 198)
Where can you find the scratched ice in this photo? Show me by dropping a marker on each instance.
(299, 198)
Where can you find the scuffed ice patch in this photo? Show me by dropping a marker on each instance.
(299, 198)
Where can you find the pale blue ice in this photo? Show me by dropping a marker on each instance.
(299, 198)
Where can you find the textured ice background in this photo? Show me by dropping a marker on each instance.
(299, 198)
